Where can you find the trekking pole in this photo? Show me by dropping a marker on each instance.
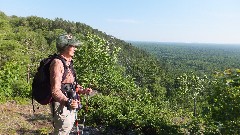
(76, 117)
(86, 110)
(76, 97)
(76, 120)
(83, 124)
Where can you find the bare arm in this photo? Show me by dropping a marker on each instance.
(56, 73)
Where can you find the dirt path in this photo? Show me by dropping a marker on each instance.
(17, 119)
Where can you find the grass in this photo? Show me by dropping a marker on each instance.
(17, 117)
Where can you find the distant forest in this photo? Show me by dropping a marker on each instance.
(193, 57)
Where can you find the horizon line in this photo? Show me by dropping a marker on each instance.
(183, 42)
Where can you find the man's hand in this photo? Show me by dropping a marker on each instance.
(88, 91)
(74, 104)
(80, 90)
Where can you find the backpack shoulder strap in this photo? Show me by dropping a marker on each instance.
(64, 65)
(73, 70)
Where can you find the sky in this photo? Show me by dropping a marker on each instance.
(188, 21)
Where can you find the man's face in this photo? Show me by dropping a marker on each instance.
(71, 50)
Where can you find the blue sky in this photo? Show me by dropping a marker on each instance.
(198, 21)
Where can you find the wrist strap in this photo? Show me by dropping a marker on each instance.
(68, 103)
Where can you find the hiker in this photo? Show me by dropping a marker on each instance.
(64, 105)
